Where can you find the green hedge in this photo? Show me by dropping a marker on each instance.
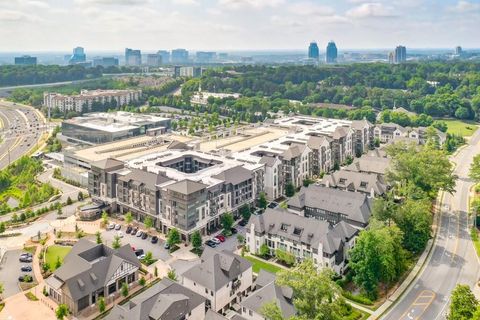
(357, 298)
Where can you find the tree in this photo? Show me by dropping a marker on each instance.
(474, 172)
(271, 311)
(124, 289)
(61, 312)
(173, 237)
(116, 242)
(69, 201)
(415, 220)
(142, 281)
(227, 222)
(289, 190)
(377, 257)
(148, 222)
(285, 256)
(384, 209)
(245, 212)
(98, 235)
(316, 295)
(148, 260)
(58, 263)
(262, 200)
(104, 218)
(101, 304)
(80, 196)
(128, 217)
(172, 275)
(264, 250)
(196, 241)
(463, 303)
(2, 227)
(240, 239)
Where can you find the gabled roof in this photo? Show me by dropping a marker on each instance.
(316, 142)
(234, 175)
(108, 164)
(217, 268)
(360, 124)
(149, 179)
(369, 164)
(356, 181)
(340, 132)
(186, 186)
(166, 300)
(178, 145)
(268, 161)
(294, 151)
(356, 206)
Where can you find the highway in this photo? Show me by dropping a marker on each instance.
(453, 260)
(20, 130)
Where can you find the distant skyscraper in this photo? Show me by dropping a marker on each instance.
(154, 60)
(105, 61)
(313, 51)
(25, 61)
(205, 56)
(400, 54)
(391, 57)
(133, 57)
(179, 56)
(331, 55)
(458, 51)
(165, 56)
(78, 56)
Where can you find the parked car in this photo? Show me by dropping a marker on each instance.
(243, 223)
(139, 233)
(26, 254)
(216, 240)
(154, 239)
(118, 227)
(166, 245)
(120, 234)
(234, 230)
(129, 229)
(140, 253)
(111, 226)
(220, 237)
(26, 259)
(144, 235)
(210, 243)
(26, 269)
(273, 205)
(134, 231)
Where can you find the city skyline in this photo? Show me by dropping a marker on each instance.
(228, 25)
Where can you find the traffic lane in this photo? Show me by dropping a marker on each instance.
(157, 249)
(10, 271)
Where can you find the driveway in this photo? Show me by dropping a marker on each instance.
(9, 272)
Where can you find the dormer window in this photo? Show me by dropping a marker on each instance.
(342, 180)
(284, 227)
(297, 231)
(363, 184)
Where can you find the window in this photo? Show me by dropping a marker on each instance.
(363, 184)
(342, 180)
(297, 231)
(206, 290)
(284, 227)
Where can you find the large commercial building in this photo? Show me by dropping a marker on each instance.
(205, 56)
(84, 101)
(25, 61)
(179, 56)
(105, 61)
(399, 55)
(331, 53)
(165, 55)
(78, 56)
(133, 57)
(94, 128)
(154, 60)
(313, 51)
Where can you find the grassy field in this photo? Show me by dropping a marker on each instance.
(463, 128)
(259, 264)
(56, 251)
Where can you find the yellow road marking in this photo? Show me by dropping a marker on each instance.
(424, 294)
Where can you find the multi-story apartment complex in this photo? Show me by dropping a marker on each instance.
(306, 238)
(83, 102)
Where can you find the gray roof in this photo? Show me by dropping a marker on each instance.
(89, 266)
(356, 206)
(234, 175)
(356, 181)
(340, 132)
(217, 268)
(309, 231)
(186, 186)
(294, 151)
(149, 179)
(268, 161)
(108, 164)
(270, 292)
(369, 164)
(316, 142)
(360, 124)
(166, 300)
(391, 126)
(178, 145)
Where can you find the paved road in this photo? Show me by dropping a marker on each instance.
(453, 260)
(20, 129)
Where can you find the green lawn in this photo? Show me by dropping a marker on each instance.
(56, 251)
(259, 264)
(463, 128)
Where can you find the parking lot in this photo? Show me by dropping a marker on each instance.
(10, 271)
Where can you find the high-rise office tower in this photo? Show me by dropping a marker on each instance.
(154, 60)
(133, 57)
(331, 54)
(78, 56)
(458, 51)
(391, 57)
(400, 54)
(25, 61)
(179, 56)
(105, 61)
(165, 55)
(313, 51)
(205, 56)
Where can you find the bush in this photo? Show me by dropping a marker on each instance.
(357, 298)
(142, 281)
(285, 257)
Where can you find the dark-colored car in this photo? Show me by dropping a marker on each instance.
(273, 205)
(26, 269)
(243, 223)
(139, 252)
(144, 235)
(129, 229)
(210, 243)
(234, 230)
(154, 239)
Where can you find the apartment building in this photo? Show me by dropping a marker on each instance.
(370, 184)
(332, 205)
(91, 271)
(84, 101)
(305, 237)
(387, 132)
(222, 278)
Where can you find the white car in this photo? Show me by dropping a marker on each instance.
(118, 227)
(139, 233)
(120, 234)
(216, 240)
(111, 226)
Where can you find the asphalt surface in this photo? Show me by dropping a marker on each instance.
(453, 261)
(20, 129)
(10, 271)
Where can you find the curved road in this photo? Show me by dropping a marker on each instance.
(453, 260)
(21, 128)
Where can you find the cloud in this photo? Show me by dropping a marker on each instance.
(465, 7)
(370, 10)
(113, 2)
(310, 8)
(249, 4)
(17, 16)
(186, 2)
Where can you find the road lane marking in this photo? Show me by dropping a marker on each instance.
(419, 306)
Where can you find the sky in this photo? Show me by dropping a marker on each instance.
(150, 25)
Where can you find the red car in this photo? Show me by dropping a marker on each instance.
(221, 237)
